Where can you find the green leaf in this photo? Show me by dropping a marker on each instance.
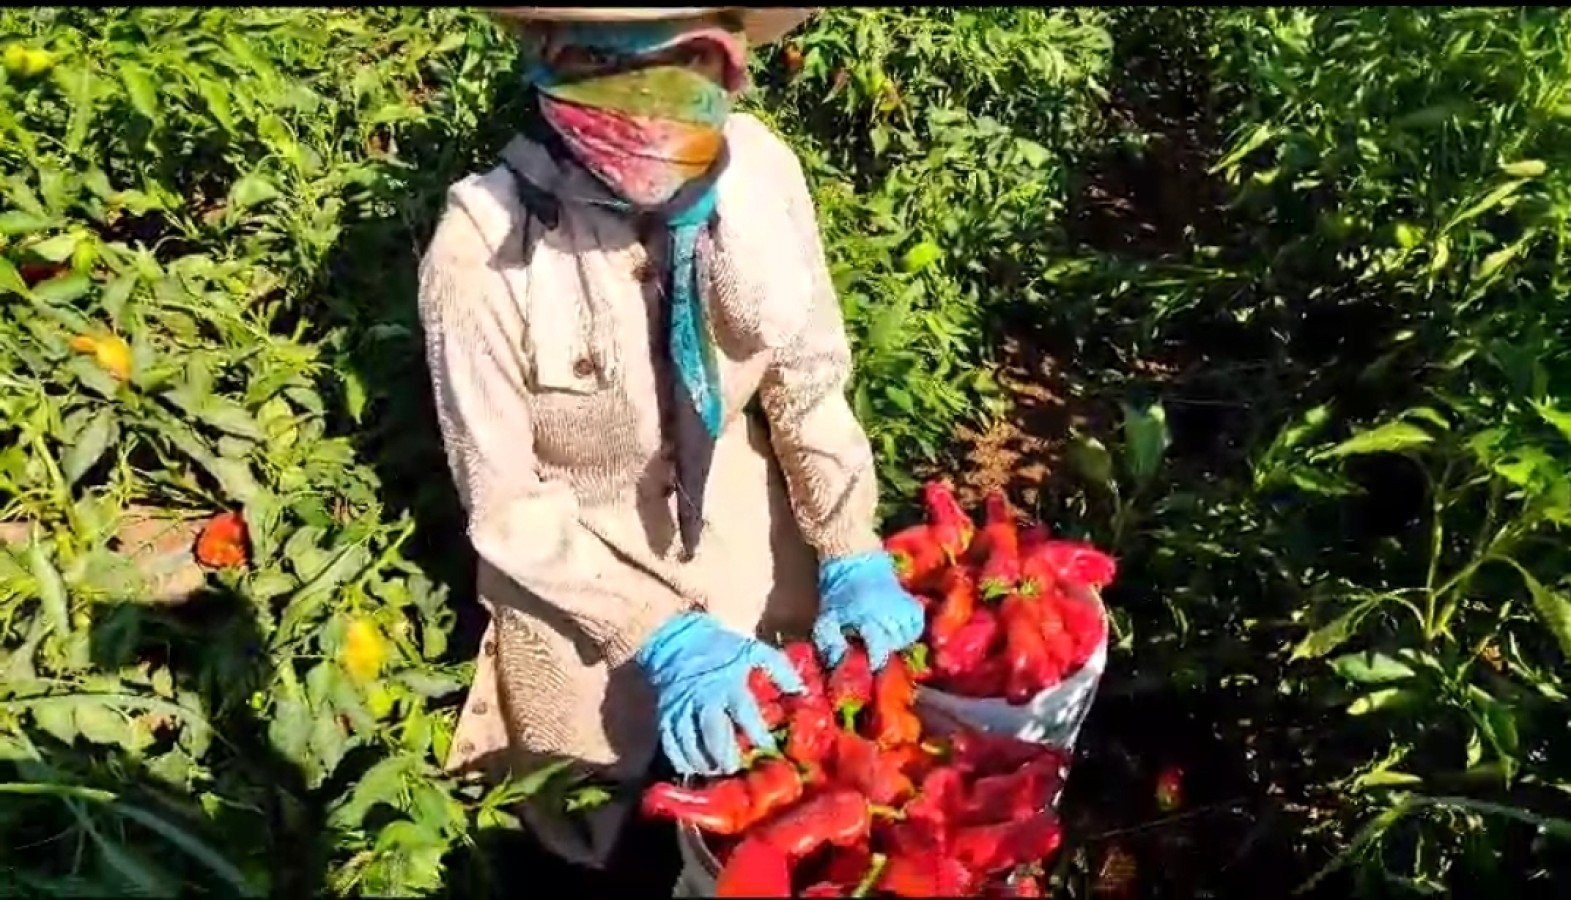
(1385, 698)
(1560, 419)
(192, 846)
(1553, 609)
(1525, 168)
(63, 288)
(1371, 668)
(1332, 634)
(1145, 440)
(140, 91)
(1392, 437)
(249, 190)
(56, 249)
(1035, 155)
(11, 281)
(51, 588)
(18, 222)
(89, 446)
(1091, 460)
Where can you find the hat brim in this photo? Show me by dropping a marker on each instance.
(762, 26)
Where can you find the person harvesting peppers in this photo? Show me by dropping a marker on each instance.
(599, 310)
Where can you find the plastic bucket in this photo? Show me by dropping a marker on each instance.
(1052, 717)
(700, 870)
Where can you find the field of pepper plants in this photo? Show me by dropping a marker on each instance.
(1267, 303)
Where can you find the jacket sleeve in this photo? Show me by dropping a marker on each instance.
(822, 448)
(528, 528)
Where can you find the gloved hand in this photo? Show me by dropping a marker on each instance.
(699, 671)
(863, 593)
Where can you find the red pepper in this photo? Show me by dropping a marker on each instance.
(1000, 543)
(860, 764)
(970, 645)
(952, 528)
(925, 875)
(1021, 883)
(755, 868)
(958, 592)
(912, 759)
(894, 693)
(804, 659)
(985, 679)
(812, 735)
(1074, 563)
(916, 554)
(940, 800)
(1084, 623)
(992, 754)
(986, 849)
(1030, 668)
(1033, 536)
(847, 865)
(722, 807)
(839, 817)
(768, 696)
(1170, 789)
(851, 684)
(1013, 795)
(772, 785)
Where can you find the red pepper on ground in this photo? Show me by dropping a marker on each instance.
(1000, 541)
(917, 555)
(851, 684)
(222, 542)
(958, 596)
(986, 849)
(755, 868)
(722, 807)
(840, 817)
(1170, 789)
(969, 646)
(952, 528)
(860, 764)
(894, 693)
(1030, 667)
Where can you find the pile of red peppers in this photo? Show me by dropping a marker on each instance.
(1008, 612)
(861, 801)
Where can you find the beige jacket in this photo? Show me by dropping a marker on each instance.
(545, 374)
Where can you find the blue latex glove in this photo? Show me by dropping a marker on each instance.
(699, 671)
(863, 594)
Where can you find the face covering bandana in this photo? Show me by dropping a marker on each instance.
(631, 107)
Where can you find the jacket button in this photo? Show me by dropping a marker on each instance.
(584, 367)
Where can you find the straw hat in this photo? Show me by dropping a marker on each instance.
(762, 26)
